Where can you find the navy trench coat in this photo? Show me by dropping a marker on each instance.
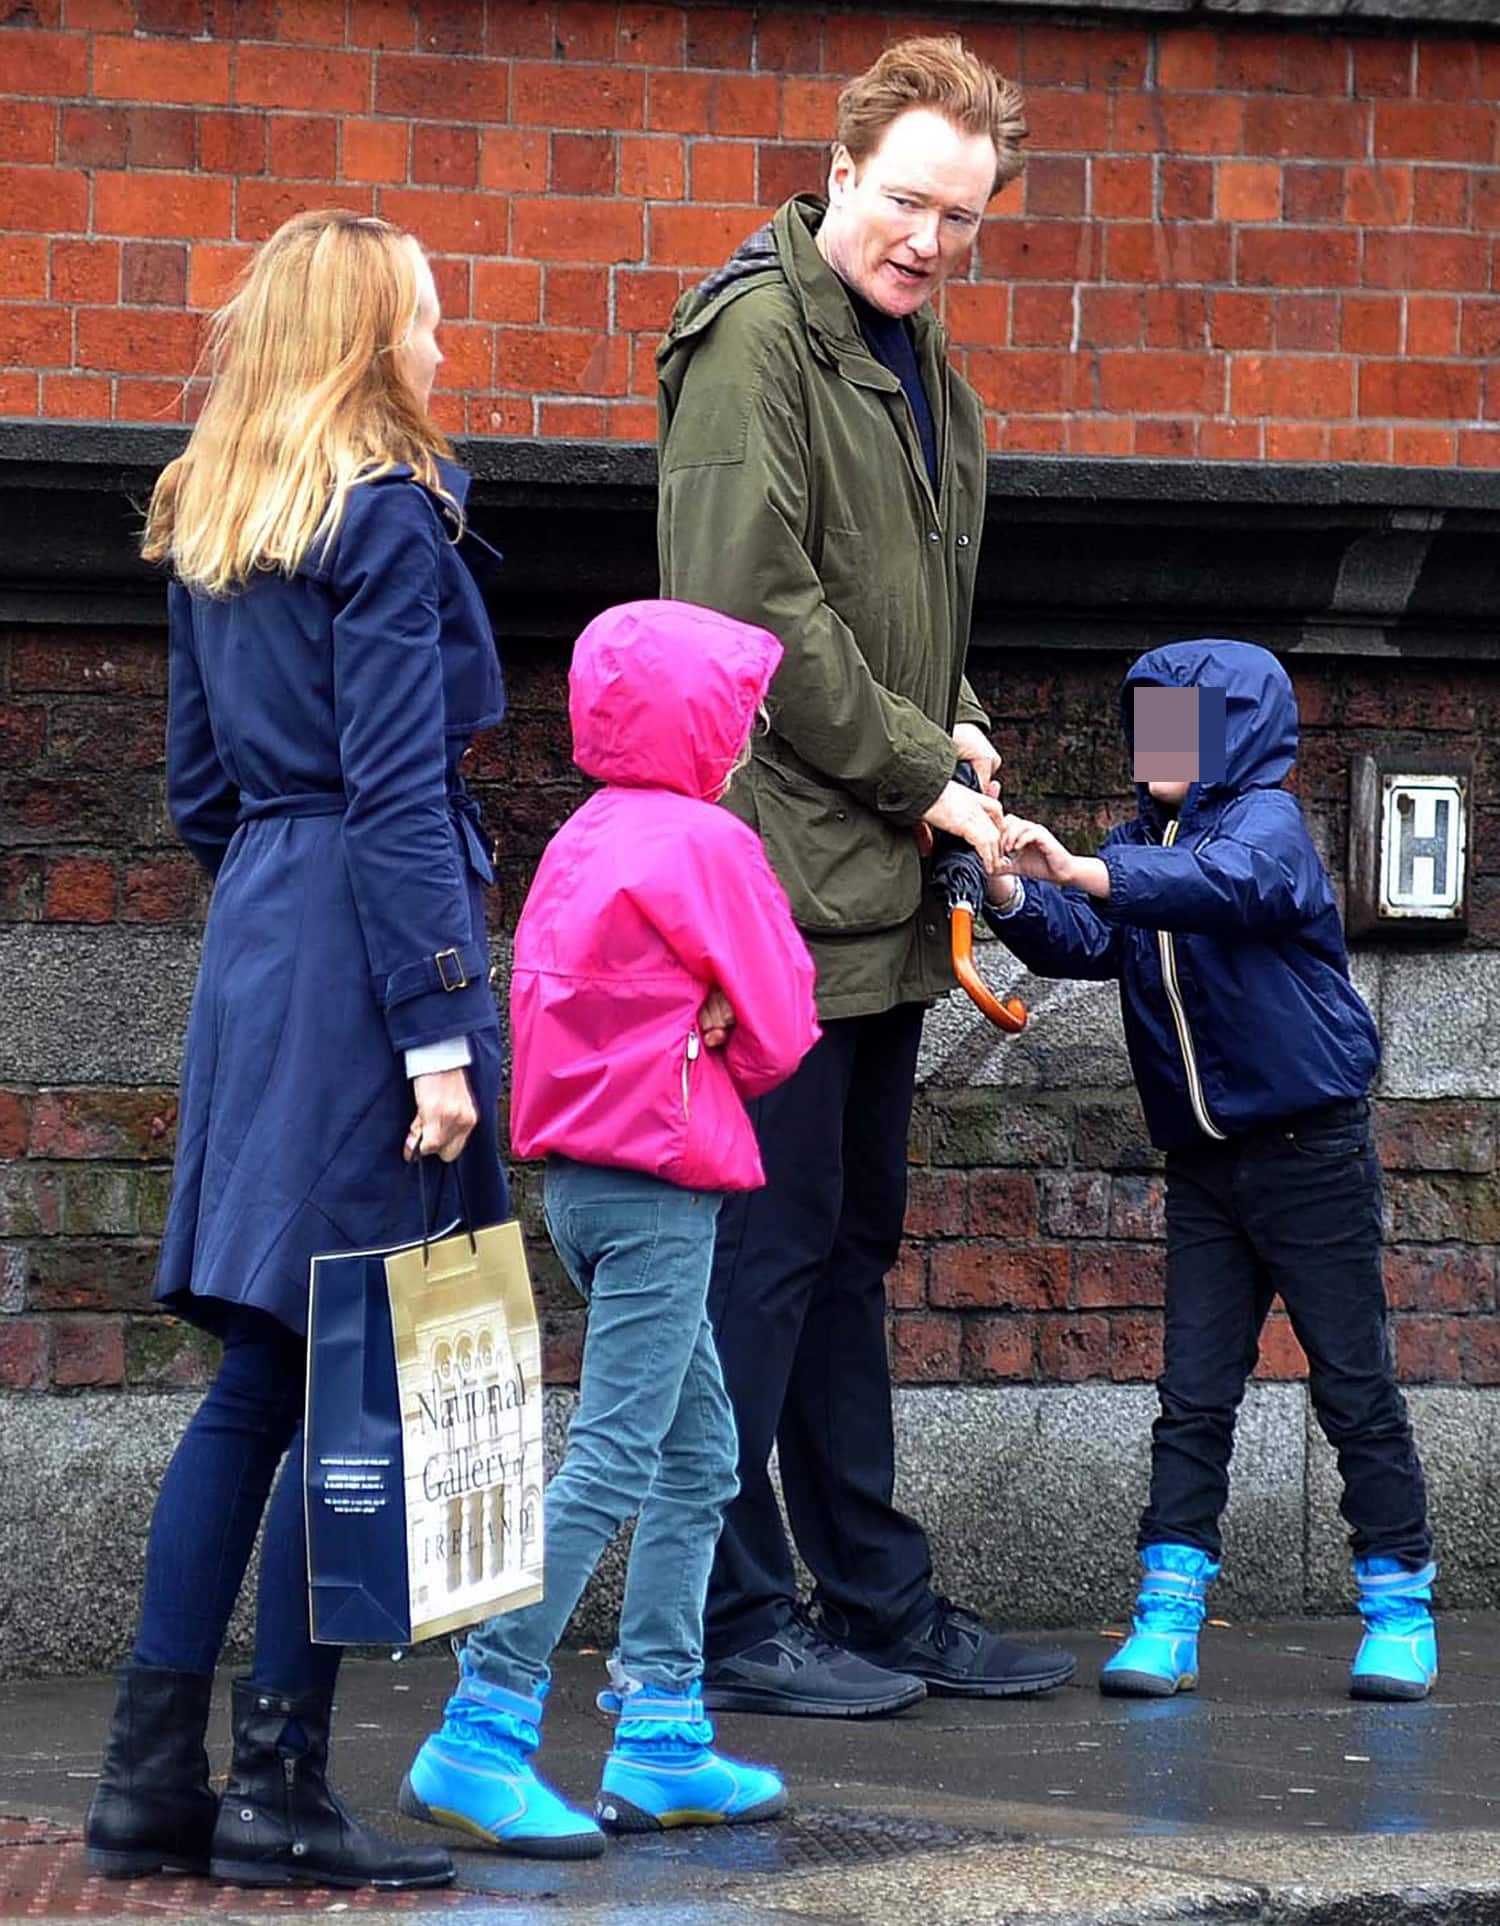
(315, 726)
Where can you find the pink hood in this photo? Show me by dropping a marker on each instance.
(662, 695)
(646, 899)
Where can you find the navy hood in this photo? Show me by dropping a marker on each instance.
(1260, 712)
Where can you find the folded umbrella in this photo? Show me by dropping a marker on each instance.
(959, 874)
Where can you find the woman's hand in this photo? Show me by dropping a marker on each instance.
(974, 747)
(978, 820)
(715, 1020)
(445, 1116)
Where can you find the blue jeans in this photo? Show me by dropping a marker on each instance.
(209, 1509)
(653, 1433)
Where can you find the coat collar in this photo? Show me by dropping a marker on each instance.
(824, 300)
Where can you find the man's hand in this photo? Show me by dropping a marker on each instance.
(1031, 850)
(445, 1116)
(715, 1020)
(978, 820)
(974, 746)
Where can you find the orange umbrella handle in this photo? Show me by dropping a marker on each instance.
(1009, 1015)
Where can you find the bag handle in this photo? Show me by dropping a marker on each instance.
(466, 1222)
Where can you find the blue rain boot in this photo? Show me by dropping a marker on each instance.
(1397, 1657)
(1161, 1655)
(662, 1771)
(475, 1774)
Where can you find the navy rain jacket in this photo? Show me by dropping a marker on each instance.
(1220, 924)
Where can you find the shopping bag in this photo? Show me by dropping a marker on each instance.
(423, 1437)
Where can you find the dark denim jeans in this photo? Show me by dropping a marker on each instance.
(1293, 1210)
(209, 1510)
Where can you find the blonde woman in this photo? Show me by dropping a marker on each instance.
(330, 659)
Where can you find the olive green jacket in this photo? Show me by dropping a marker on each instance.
(794, 494)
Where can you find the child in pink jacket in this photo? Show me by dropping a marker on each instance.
(654, 928)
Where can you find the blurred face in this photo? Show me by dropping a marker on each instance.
(419, 355)
(905, 217)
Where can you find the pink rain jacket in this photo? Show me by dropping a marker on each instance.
(647, 898)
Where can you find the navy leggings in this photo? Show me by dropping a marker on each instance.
(209, 1510)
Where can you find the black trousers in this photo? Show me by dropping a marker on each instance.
(798, 1307)
(1292, 1210)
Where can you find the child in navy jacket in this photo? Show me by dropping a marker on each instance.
(1253, 1054)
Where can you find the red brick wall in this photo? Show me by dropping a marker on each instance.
(1034, 1252)
(1230, 242)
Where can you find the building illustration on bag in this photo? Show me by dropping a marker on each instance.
(473, 1462)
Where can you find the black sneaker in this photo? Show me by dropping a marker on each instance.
(801, 1672)
(956, 1654)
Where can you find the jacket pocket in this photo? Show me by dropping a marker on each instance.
(845, 870)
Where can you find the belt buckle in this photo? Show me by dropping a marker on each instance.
(441, 958)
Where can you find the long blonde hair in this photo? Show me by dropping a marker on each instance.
(307, 397)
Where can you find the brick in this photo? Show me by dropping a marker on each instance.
(1182, 124)
(1111, 317)
(1112, 1136)
(577, 298)
(747, 105)
(644, 298)
(1162, 381)
(1173, 439)
(654, 36)
(1417, 130)
(35, 336)
(311, 23)
(1038, 251)
(1042, 317)
(1074, 1203)
(1377, 196)
(809, 109)
(1005, 1204)
(1187, 189)
(190, 207)
(788, 43)
(1135, 1347)
(91, 137)
(1137, 1207)
(1170, 253)
(719, 37)
(1423, 447)
(444, 156)
(984, 1276)
(1107, 1276)
(1309, 322)
(25, 1353)
(785, 168)
(138, 342)
(80, 889)
(161, 137)
(977, 314)
(1428, 1277)
(1176, 318)
(1431, 326)
(23, 266)
(1302, 388)
(565, 361)
(45, 63)
(452, 279)
(583, 164)
(212, 272)
(1384, 67)
(1479, 1339)
(611, 98)
(1429, 263)
(43, 200)
(1313, 196)
(1359, 443)
(520, 27)
(1370, 324)
(157, 70)
(514, 161)
(632, 421)
(1072, 1349)
(924, 1348)
(153, 274)
(1479, 330)
(15, 1122)
(679, 103)
(324, 82)
(18, 392)
(1099, 435)
(1120, 189)
(164, 1353)
(1427, 1350)
(20, 888)
(1247, 191)
(304, 146)
(102, 1122)
(232, 143)
(88, 1350)
(1283, 258)
(1306, 129)
(1186, 61)
(1033, 434)
(1443, 196)
(85, 271)
(999, 1350)
(936, 1204)
(1419, 390)
(1281, 1356)
(262, 206)
(697, 237)
(169, 889)
(562, 229)
(507, 291)
(906, 1281)
(186, 17)
(723, 171)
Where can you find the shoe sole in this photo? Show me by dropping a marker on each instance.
(110, 1863)
(620, 1816)
(1145, 1685)
(1387, 1689)
(751, 1698)
(1000, 1688)
(241, 1872)
(583, 1845)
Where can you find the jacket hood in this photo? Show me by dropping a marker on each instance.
(663, 695)
(1260, 712)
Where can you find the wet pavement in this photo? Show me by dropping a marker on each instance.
(1269, 1796)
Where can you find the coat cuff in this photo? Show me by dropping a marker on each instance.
(448, 971)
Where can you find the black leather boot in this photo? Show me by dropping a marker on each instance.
(282, 1824)
(153, 1810)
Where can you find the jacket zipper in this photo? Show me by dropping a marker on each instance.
(1179, 1016)
(690, 1057)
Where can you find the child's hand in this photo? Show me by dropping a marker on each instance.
(715, 1020)
(1031, 850)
